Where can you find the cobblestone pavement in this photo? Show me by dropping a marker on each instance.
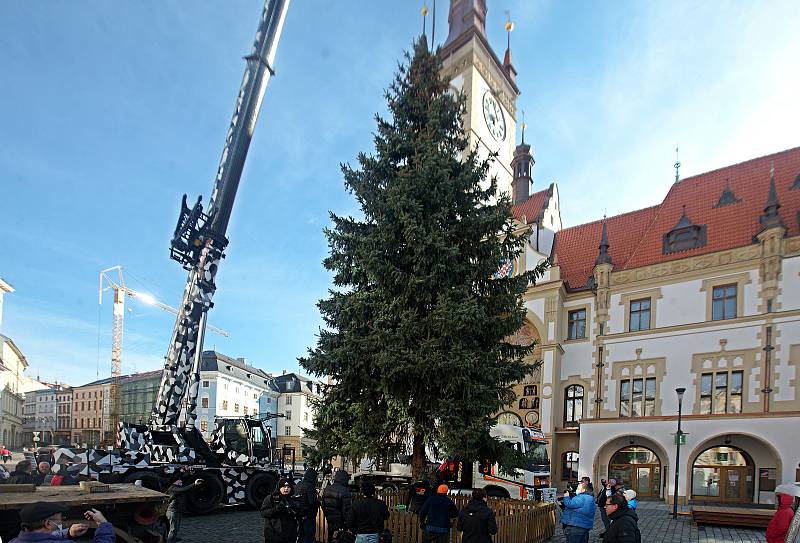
(657, 525)
(233, 523)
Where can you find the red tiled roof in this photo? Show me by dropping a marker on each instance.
(532, 207)
(636, 238)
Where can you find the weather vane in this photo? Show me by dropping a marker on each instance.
(677, 165)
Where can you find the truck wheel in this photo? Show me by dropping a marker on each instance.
(259, 487)
(148, 478)
(497, 492)
(206, 498)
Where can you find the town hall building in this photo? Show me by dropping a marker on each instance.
(695, 300)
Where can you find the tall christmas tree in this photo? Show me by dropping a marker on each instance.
(418, 325)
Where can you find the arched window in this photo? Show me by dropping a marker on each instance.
(573, 405)
(569, 466)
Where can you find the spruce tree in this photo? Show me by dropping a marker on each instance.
(417, 326)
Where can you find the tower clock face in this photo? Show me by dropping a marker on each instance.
(493, 115)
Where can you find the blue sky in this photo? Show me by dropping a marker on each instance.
(110, 111)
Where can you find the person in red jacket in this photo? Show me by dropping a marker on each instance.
(779, 525)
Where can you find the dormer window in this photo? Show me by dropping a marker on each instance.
(727, 197)
(684, 236)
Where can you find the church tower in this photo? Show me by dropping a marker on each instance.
(471, 66)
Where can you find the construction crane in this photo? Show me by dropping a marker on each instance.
(239, 463)
(113, 279)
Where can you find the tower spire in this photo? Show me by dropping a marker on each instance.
(466, 16)
(603, 257)
(771, 216)
(677, 166)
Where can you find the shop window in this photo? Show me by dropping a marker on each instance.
(576, 324)
(569, 466)
(573, 405)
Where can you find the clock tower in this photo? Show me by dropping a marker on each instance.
(472, 67)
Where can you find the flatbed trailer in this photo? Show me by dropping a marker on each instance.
(136, 512)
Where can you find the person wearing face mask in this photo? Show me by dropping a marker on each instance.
(43, 522)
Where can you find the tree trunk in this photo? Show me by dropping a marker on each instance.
(418, 464)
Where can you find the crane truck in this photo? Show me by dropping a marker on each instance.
(239, 464)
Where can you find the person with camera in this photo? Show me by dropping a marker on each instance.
(177, 493)
(578, 515)
(43, 522)
(282, 514)
(606, 489)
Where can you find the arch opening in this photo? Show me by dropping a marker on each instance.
(639, 468)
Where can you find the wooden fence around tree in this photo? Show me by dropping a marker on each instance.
(518, 521)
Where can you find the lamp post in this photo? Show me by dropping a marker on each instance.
(678, 435)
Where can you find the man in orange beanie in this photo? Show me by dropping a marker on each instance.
(435, 516)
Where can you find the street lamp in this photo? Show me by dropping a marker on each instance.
(678, 435)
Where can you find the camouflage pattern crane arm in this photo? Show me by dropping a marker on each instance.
(199, 239)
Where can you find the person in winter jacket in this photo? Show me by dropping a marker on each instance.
(630, 495)
(368, 516)
(606, 489)
(42, 522)
(578, 515)
(779, 525)
(306, 490)
(477, 520)
(177, 493)
(624, 522)
(282, 514)
(418, 495)
(22, 474)
(435, 516)
(587, 482)
(336, 503)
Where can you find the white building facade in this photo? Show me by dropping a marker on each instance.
(230, 387)
(699, 293)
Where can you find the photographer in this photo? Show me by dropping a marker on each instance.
(578, 516)
(282, 514)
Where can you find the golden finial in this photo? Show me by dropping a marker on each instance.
(424, 10)
(509, 24)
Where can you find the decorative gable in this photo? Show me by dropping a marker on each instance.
(684, 235)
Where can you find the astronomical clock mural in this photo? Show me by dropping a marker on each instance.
(525, 410)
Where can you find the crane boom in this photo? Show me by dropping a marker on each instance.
(199, 239)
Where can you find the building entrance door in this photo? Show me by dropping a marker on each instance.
(723, 474)
(637, 468)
